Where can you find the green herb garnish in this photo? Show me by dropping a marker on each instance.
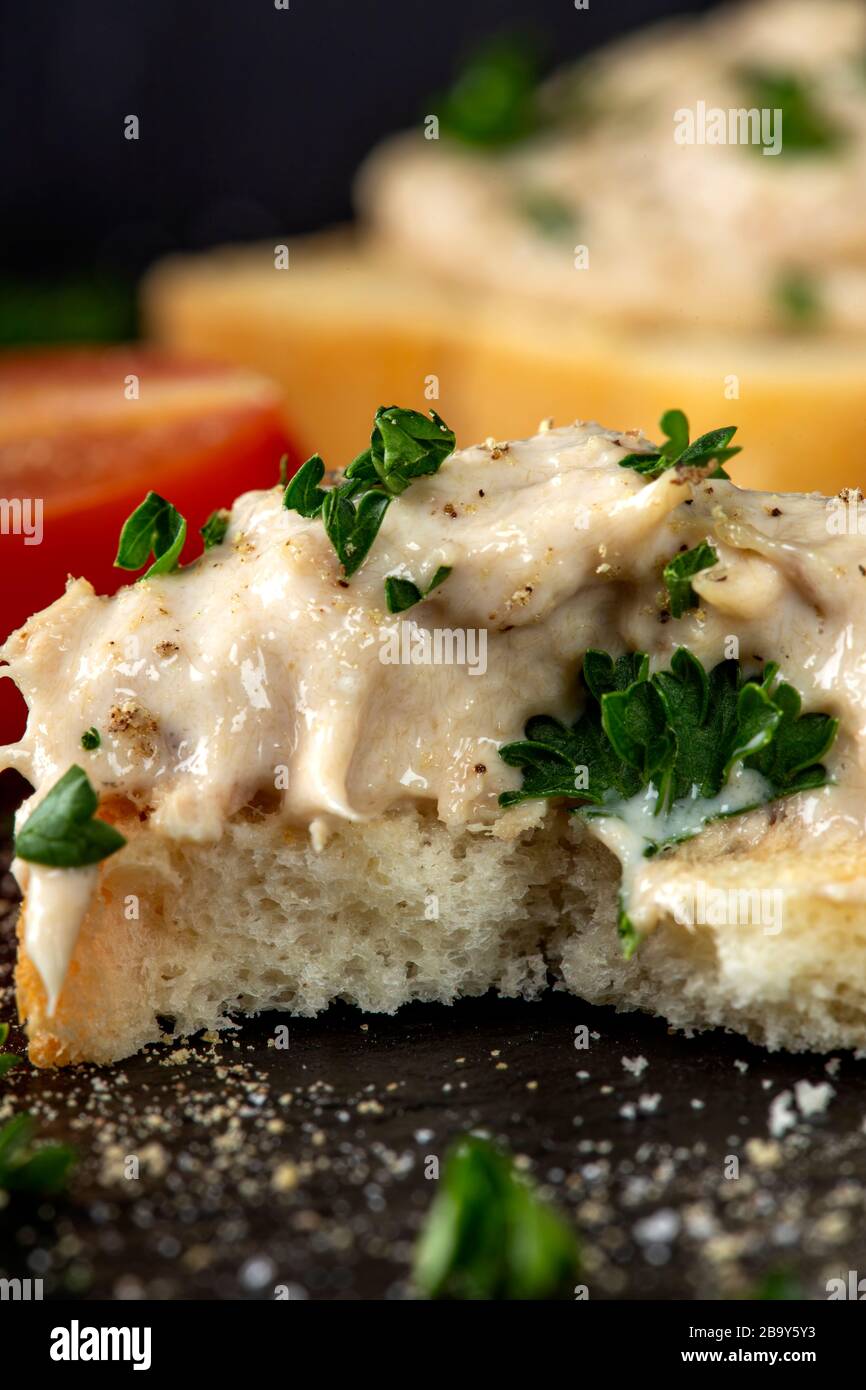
(673, 736)
(681, 570)
(549, 214)
(401, 594)
(351, 526)
(23, 1168)
(90, 739)
(404, 445)
(806, 129)
(7, 1059)
(676, 730)
(214, 530)
(154, 527)
(678, 452)
(63, 830)
(798, 298)
(494, 99)
(489, 1236)
(778, 1286)
(303, 494)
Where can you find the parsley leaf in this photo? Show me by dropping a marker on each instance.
(494, 99)
(401, 594)
(351, 526)
(674, 735)
(23, 1168)
(214, 530)
(7, 1059)
(404, 445)
(806, 129)
(489, 1236)
(63, 831)
(676, 730)
(303, 494)
(778, 1285)
(155, 526)
(578, 762)
(791, 759)
(90, 739)
(679, 572)
(678, 452)
(549, 214)
(797, 295)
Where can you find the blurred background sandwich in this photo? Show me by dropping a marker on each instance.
(681, 214)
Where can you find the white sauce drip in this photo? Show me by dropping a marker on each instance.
(629, 828)
(57, 903)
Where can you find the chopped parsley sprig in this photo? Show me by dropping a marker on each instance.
(23, 1168)
(677, 735)
(401, 594)
(547, 212)
(807, 128)
(677, 452)
(7, 1059)
(404, 445)
(797, 298)
(63, 831)
(488, 1234)
(494, 100)
(157, 528)
(676, 730)
(679, 572)
(214, 530)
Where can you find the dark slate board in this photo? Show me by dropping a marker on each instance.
(304, 1167)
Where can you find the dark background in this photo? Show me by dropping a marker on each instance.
(252, 119)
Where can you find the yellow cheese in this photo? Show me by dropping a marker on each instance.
(347, 324)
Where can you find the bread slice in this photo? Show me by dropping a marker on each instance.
(182, 936)
(351, 311)
(319, 798)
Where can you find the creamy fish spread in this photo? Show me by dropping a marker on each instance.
(261, 669)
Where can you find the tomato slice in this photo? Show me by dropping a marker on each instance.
(84, 434)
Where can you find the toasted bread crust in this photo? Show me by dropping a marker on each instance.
(262, 921)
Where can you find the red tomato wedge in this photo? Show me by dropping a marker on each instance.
(84, 435)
